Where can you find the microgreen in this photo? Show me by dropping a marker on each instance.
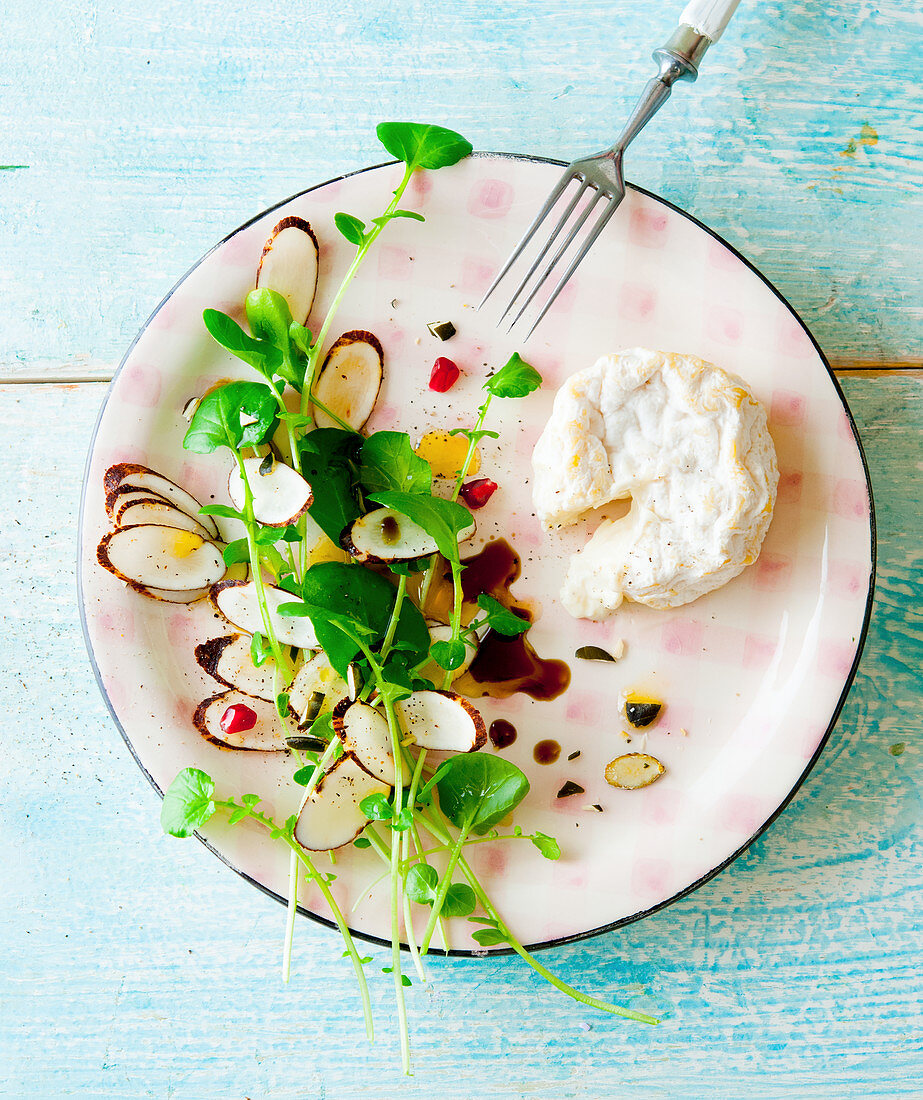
(500, 618)
(390, 462)
(369, 624)
(235, 415)
(187, 803)
(441, 519)
(330, 464)
(516, 378)
(259, 353)
(478, 790)
(420, 145)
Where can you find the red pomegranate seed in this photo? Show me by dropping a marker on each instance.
(478, 492)
(445, 375)
(238, 719)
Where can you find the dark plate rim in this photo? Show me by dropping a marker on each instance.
(709, 875)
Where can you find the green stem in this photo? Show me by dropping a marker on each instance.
(333, 416)
(396, 891)
(395, 615)
(290, 919)
(460, 480)
(444, 883)
(440, 833)
(405, 852)
(268, 823)
(456, 614)
(317, 346)
(472, 443)
(255, 568)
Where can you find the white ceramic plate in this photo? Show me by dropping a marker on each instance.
(754, 673)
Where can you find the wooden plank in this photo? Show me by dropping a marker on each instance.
(198, 124)
(135, 965)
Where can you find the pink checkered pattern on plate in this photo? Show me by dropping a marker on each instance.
(750, 674)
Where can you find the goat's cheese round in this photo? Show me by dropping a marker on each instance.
(689, 444)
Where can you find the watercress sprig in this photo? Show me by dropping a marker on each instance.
(418, 146)
(189, 803)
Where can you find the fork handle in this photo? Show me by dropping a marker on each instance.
(709, 17)
(701, 24)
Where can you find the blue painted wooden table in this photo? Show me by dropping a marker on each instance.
(132, 139)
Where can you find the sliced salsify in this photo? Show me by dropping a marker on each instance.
(161, 557)
(288, 265)
(442, 720)
(331, 815)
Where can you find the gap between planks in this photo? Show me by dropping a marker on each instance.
(851, 368)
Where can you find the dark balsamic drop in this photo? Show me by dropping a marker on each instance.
(501, 733)
(546, 752)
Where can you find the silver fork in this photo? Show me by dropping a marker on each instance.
(701, 23)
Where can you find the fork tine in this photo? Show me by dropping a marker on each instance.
(575, 229)
(575, 263)
(558, 191)
(562, 221)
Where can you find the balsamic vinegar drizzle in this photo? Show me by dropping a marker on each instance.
(504, 666)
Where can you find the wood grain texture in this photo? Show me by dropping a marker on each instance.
(134, 965)
(147, 133)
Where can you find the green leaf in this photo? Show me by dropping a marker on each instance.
(489, 937)
(291, 534)
(390, 462)
(322, 727)
(217, 419)
(365, 599)
(282, 704)
(479, 790)
(385, 218)
(405, 981)
(442, 519)
(500, 618)
(448, 655)
(260, 650)
(477, 434)
(270, 319)
(301, 338)
(351, 227)
(330, 464)
(362, 842)
(260, 354)
(221, 510)
(459, 901)
(515, 379)
(547, 845)
(419, 145)
(187, 803)
(421, 884)
(236, 551)
(396, 680)
(376, 807)
(238, 814)
(425, 793)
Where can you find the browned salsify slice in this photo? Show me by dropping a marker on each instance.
(281, 496)
(288, 265)
(350, 379)
(266, 735)
(365, 734)
(127, 476)
(331, 815)
(228, 661)
(159, 557)
(442, 720)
